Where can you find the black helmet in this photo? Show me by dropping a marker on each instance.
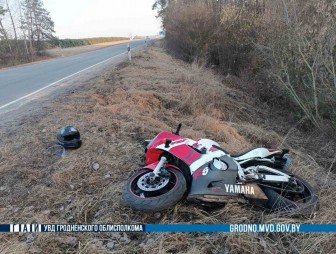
(69, 137)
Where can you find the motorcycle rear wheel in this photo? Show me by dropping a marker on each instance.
(157, 198)
(304, 203)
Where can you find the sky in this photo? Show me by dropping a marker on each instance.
(102, 18)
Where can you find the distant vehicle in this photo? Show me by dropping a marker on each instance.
(147, 38)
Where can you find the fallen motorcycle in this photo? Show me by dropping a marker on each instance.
(176, 166)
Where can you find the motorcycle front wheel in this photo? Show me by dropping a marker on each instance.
(304, 201)
(151, 196)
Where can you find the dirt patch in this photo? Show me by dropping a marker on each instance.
(114, 113)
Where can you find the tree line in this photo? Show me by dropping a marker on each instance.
(285, 48)
(25, 27)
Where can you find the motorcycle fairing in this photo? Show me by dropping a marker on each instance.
(185, 153)
(152, 154)
(193, 158)
(153, 165)
(206, 175)
(205, 159)
(219, 185)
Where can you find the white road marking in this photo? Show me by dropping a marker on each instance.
(54, 83)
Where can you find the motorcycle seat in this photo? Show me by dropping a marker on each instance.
(242, 153)
(234, 155)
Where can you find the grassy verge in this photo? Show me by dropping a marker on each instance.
(68, 43)
(114, 113)
(62, 48)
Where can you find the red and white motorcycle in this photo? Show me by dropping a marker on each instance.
(176, 166)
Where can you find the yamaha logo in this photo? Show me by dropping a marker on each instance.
(239, 189)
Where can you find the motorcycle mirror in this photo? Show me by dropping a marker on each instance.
(167, 142)
(177, 132)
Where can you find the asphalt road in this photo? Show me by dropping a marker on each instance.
(21, 82)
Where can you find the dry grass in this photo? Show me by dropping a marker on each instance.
(114, 113)
(63, 52)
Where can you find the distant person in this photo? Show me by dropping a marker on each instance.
(129, 52)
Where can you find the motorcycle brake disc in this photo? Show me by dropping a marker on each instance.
(145, 184)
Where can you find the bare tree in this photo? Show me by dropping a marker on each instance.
(12, 20)
(24, 32)
(38, 23)
(3, 30)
